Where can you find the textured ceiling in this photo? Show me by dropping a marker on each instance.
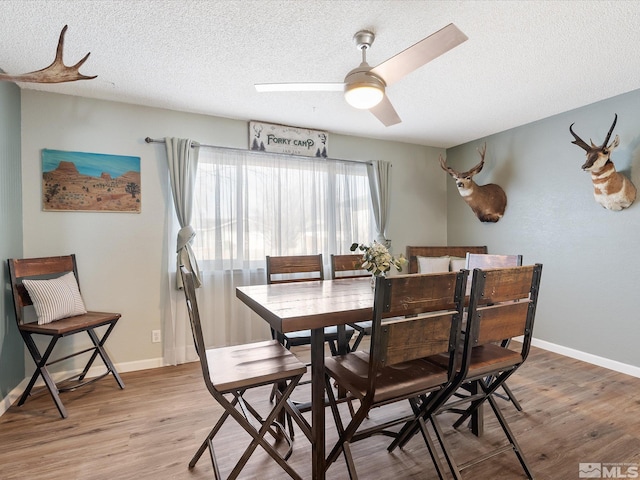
(524, 60)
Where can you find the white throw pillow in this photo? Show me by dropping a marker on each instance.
(433, 264)
(458, 263)
(56, 298)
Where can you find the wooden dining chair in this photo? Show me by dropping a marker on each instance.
(414, 316)
(301, 268)
(502, 305)
(48, 303)
(229, 372)
(484, 261)
(349, 266)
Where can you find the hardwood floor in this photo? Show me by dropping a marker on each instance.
(573, 412)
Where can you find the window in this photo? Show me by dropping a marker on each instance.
(249, 205)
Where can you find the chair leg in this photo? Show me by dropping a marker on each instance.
(41, 370)
(340, 429)
(437, 463)
(348, 458)
(357, 341)
(99, 344)
(345, 434)
(207, 442)
(510, 396)
(258, 435)
(488, 391)
(99, 349)
(453, 466)
(279, 432)
(425, 435)
(510, 436)
(426, 408)
(214, 462)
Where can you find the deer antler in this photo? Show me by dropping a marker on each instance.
(445, 167)
(57, 72)
(613, 125)
(482, 151)
(578, 141)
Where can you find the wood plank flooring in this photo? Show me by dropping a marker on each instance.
(573, 412)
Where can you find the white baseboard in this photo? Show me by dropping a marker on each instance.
(588, 358)
(14, 394)
(158, 362)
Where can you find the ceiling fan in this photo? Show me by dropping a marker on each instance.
(364, 86)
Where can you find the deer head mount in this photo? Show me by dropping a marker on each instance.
(611, 189)
(489, 201)
(57, 72)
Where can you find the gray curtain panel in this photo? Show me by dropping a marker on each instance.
(182, 159)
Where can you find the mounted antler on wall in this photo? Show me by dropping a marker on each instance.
(57, 72)
(611, 189)
(489, 201)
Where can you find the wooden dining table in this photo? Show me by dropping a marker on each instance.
(312, 305)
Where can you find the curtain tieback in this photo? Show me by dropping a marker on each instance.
(185, 235)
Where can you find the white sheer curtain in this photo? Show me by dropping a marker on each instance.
(250, 205)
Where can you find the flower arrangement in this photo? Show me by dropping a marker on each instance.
(377, 259)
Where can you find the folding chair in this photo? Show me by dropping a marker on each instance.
(392, 370)
(301, 268)
(52, 296)
(484, 261)
(348, 266)
(237, 369)
(502, 305)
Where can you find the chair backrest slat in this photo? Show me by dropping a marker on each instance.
(417, 337)
(414, 294)
(294, 264)
(501, 321)
(511, 283)
(347, 266)
(36, 268)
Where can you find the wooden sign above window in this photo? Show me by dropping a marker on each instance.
(269, 137)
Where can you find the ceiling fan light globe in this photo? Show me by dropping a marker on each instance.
(363, 95)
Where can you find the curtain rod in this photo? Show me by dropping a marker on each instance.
(152, 140)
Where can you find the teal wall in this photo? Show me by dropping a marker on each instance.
(12, 365)
(590, 255)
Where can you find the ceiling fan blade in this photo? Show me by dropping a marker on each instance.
(424, 51)
(299, 87)
(385, 112)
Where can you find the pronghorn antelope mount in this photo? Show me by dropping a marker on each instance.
(487, 201)
(611, 189)
(57, 72)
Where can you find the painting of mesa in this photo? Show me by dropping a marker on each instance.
(78, 181)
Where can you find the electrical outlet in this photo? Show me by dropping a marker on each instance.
(156, 336)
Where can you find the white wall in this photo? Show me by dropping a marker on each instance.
(120, 256)
(588, 298)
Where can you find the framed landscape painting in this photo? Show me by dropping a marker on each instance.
(94, 182)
